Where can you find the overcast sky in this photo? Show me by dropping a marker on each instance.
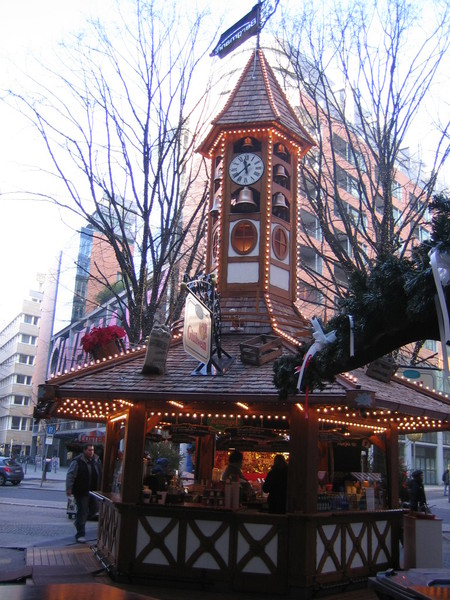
(33, 233)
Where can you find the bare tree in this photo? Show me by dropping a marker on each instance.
(119, 126)
(364, 72)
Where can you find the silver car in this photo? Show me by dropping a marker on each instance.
(10, 470)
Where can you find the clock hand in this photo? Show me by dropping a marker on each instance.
(242, 170)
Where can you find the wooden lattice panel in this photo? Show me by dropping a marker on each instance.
(109, 522)
(157, 541)
(352, 549)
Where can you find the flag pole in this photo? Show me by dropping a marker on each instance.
(258, 25)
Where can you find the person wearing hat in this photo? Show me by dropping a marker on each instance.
(417, 498)
(159, 478)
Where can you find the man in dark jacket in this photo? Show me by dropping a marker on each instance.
(417, 499)
(84, 474)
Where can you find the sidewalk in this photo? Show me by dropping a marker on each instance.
(53, 480)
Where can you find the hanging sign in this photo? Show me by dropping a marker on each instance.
(197, 329)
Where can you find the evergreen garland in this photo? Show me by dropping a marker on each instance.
(391, 305)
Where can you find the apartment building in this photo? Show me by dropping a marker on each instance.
(18, 350)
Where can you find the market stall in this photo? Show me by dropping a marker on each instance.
(216, 389)
(198, 539)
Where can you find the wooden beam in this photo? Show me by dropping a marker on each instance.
(303, 461)
(133, 454)
(392, 466)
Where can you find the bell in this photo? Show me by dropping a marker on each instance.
(279, 201)
(281, 149)
(245, 198)
(216, 205)
(247, 143)
(218, 173)
(280, 172)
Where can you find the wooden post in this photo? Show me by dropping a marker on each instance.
(303, 461)
(204, 457)
(109, 456)
(392, 466)
(133, 453)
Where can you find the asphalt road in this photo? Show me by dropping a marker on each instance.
(32, 515)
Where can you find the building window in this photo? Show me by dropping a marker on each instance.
(244, 237)
(28, 339)
(31, 320)
(397, 191)
(308, 293)
(421, 234)
(344, 149)
(350, 213)
(21, 400)
(23, 379)
(347, 182)
(310, 225)
(25, 359)
(20, 423)
(310, 259)
(280, 243)
(430, 345)
(341, 275)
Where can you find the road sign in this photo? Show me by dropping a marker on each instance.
(51, 429)
(49, 440)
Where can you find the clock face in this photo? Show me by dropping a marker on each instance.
(246, 168)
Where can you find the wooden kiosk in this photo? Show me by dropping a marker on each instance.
(254, 145)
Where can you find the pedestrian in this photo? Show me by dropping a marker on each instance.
(445, 479)
(84, 475)
(233, 472)
(417, 499)
(275, 485)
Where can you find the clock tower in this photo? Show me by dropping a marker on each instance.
(255, 146)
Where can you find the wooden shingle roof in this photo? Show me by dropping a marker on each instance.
(122, 379)
(258, 99)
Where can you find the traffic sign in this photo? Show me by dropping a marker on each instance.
(51, 429)
(49, 440)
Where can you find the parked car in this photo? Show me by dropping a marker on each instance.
(10, 470)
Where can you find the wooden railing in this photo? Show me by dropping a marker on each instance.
(250, 551)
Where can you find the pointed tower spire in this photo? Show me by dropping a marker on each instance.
(255, 145)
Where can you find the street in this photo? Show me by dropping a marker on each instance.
(32, 515)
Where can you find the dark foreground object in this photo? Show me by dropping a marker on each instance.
(412, 584)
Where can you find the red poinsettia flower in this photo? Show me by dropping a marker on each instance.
(100, 336)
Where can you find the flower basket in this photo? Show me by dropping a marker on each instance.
(102, 342)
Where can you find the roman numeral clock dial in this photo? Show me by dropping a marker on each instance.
(246, 168)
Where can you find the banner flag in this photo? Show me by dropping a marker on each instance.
(238, 33)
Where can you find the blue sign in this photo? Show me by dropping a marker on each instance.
(411, 374)
(51, 429)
